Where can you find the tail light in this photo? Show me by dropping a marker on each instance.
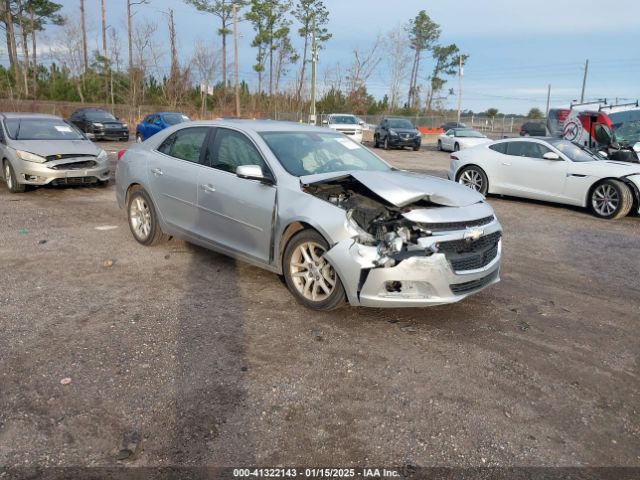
(121, 153)
(453, 157)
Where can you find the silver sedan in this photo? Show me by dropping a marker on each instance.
(38, 149)
(312, 205)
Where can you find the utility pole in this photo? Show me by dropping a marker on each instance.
(130, 37)
(235, 49)
(546, 112)
(584, 80)
(85, 55)
(460, 75)
(173, 76)
(314, 59)
(104, 29)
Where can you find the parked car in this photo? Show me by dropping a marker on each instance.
(154, 122)
(550, 169)
(38, 149)
(533, 129)
(345, 123)
(459, 138)
(449, 125)
(314, 206)
(99, 124)
(396, 133)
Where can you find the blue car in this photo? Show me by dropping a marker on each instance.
(154, 122)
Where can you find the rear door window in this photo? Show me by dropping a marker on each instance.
(185, 144)
(231, 149)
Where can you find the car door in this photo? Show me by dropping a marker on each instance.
(447, 140)
(236, 213)
(154, 125)
(528, 174)
(173, 173)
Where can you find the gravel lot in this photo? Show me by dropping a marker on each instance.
(180, 356)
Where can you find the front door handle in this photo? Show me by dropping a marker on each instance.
(157, 171)
(208, 188)
(507, 164)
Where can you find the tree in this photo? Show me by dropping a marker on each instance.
(272, 30)
(447, 60)
(423, 35)
(535, 114)
(206, 61)
(223, 9)
(492, 112)
(313, 16)
(396, 63)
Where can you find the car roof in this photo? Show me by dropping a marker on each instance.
(259, 126)
(29, 115)
(163, 113)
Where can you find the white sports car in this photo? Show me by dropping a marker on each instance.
(553, 170)
(459, 138)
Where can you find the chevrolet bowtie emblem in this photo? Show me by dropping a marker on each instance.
(473, 234)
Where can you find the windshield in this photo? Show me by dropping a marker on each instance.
(100, 116)
(574, 152)
(468, 134)
(343, 119)
(400, 123)
(628, 133)
(175, 118)
(41, 129)
(308, 153)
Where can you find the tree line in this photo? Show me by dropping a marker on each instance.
(409, 60)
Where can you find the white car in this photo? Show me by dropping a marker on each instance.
(550, 169)
(345, 123)
(459, 138)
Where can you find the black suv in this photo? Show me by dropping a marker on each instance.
(397, 132)
(451, 125)
(99, 124)
(533, 129)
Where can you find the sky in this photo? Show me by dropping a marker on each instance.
(516, 49)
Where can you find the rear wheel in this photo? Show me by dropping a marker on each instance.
(308, 274)
(474, 178)
(10, 177)
(143, 219)
(611, 200)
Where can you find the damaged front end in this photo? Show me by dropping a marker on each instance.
(408, 246)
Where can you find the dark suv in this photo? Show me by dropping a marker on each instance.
(533, 129)
(99, 124)
(451, 125)
(397, 132)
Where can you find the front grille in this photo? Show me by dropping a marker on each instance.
(75, 165)
(466, 287)
(471, 255)
(433, 227)
(64, 156)
(74, 181)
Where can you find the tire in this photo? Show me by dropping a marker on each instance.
(439, 145)
(141, 212)
(10, 178)
(139, 138)
(611, 199)
(456, 147)
(304, 267)
(102, 183)
(375, 142)
(474, 178)
(415, 149)
(386, 143)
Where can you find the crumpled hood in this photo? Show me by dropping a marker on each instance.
(402, 188)
(44, 148)
(605, 168)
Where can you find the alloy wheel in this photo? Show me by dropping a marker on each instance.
(472, 179)
(313, 276)
(605, 200)
(7, 175)
(140, 215)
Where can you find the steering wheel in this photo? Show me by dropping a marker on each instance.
(336, 162)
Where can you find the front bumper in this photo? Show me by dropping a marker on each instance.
(418, 281)
(110, 133)
(31, 173)
(404, 142)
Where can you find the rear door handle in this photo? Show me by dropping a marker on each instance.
(157, 171)
(208, 188)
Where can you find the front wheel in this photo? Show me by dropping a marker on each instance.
(611, 200)
(139, 138)
(439, 145)
(416, 148)
(375, 142)
(10, 177)
(474, 178)
(143, 219)
(456, 147)
(308, 274)
(386, 143)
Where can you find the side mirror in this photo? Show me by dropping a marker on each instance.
(636, 147)
(253, 172)
(360, 122)
(551, 156)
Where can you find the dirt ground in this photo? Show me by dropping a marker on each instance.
(180, 356)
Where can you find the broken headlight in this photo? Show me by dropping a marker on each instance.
(356, 230)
